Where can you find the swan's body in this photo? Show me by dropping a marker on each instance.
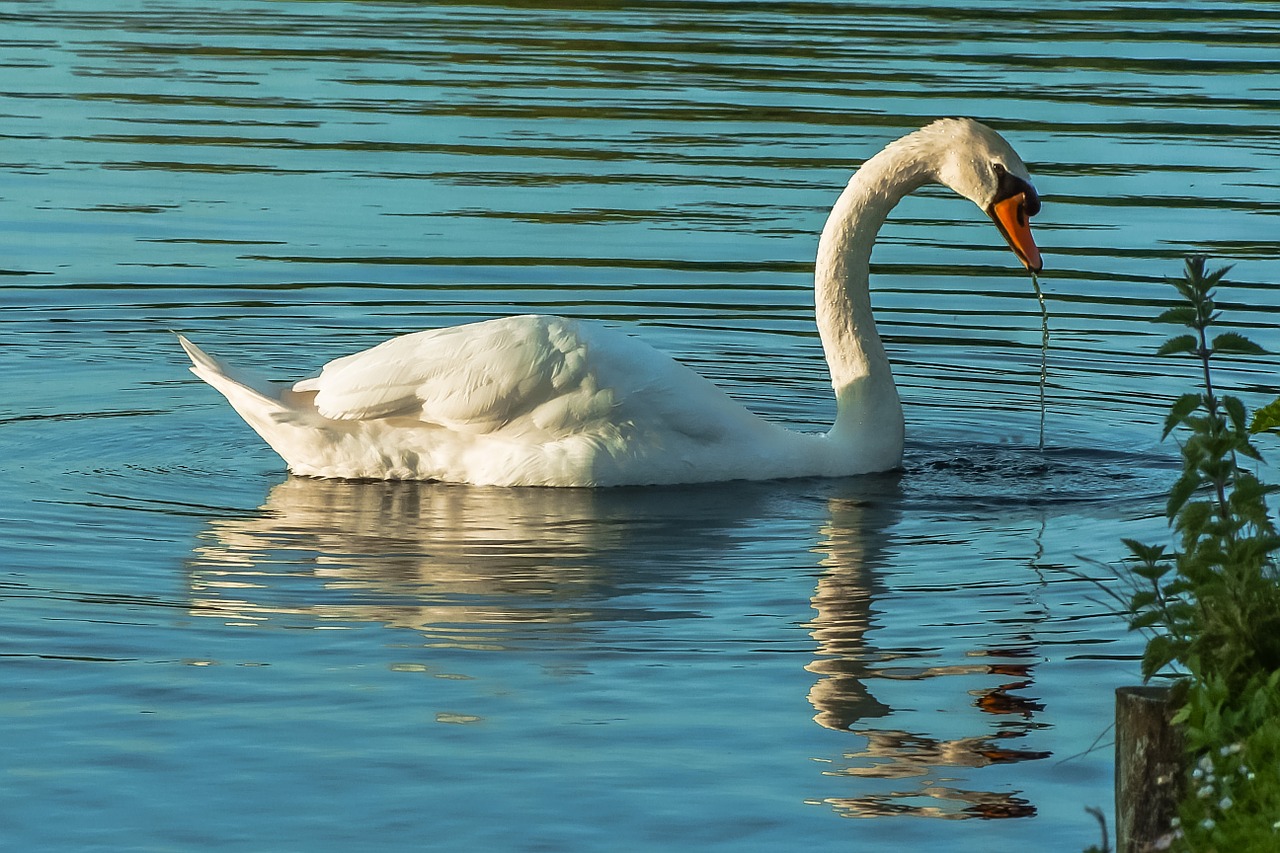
(548, 401)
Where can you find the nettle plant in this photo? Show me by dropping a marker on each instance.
(1210, 605)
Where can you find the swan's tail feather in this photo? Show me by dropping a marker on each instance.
(199, 357)
(234, 384)
(263, 405)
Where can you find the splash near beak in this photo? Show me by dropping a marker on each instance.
(1010, 216)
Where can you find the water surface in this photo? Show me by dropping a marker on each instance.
(203, 653)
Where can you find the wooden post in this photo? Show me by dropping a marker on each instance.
(1150, 767)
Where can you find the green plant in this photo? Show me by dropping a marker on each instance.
(1233, 796)
(1267, 418)
(1210, 605)
(1215, 599)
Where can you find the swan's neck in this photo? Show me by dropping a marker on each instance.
(868, 411)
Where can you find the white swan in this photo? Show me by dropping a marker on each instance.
(548, 401)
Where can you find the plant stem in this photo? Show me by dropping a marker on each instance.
(1216, 422)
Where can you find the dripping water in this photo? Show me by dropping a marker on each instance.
(1044, 352)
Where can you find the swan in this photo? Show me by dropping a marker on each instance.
(549, 401)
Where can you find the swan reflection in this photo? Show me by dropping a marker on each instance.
(420, 556)
(496, 569)
(852, 547)
(434, 556)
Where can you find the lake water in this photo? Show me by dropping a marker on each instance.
(203, 653)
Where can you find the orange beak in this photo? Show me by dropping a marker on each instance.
(1010, 216)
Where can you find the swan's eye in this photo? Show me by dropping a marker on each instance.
(1009, 185)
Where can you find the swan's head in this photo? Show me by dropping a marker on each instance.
(977, 163)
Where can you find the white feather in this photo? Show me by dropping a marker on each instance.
(549, 401)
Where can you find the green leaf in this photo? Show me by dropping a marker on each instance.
(1180, 344)
(1195, 515)
(1158, 654)
(1151, 571)
(1180, 315)
(1144, 553)
(1237, 344)
(1195, 276)
(1199, 424)
(1182, 490)
(1183, 406)
(1142, 600)
(1247, 449)
(1266, 419)
(1235, 410)
(1215, 277)
(1143, 620)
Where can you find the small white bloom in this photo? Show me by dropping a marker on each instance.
(1205, 793)
(1207, 823)
(1251, 776)
(1206, 763)
(1225, 803)
(1197, 774)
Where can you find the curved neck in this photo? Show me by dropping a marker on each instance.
(867, 405)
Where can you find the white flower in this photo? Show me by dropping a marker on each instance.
(1207, 823)
(1205, 793)
(1225, 803)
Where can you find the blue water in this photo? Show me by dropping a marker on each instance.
(204, 653)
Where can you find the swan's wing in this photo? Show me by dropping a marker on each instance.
(474, 378)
